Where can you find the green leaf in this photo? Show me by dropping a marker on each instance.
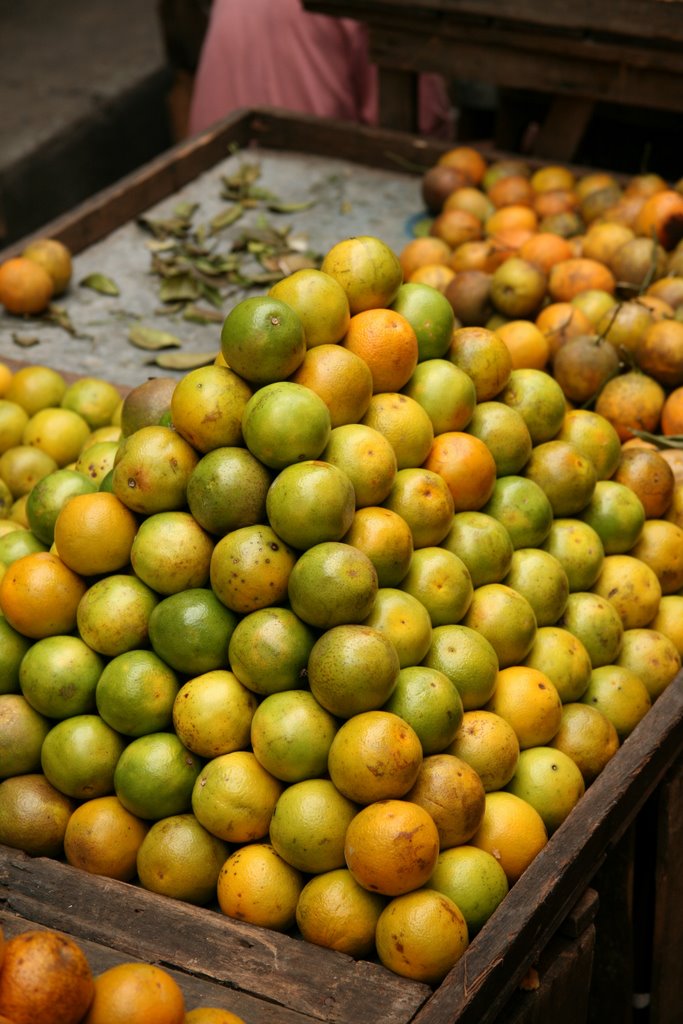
(183, 360)
(226, 218)
(151, 338)
(100, 283)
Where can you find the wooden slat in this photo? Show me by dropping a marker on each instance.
(667, 954)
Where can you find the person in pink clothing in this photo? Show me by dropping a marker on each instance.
(273, 53)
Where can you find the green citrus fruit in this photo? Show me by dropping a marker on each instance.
(59, 676)
(309, 824)
(310, 502)
(250, 568)
(22, 731)
(332, 583)
(523, 508)
(135, 693)
(227, 490)
(80, 755)
(33, 815)
(285, 422)
(405, 621)
(13, 647)
(191, 631)
(352, 668)
(269, 650)
(154, 776)
(263, 340)
(171, 552)
(428, 701)
(445, 392)
(483, 543)
(47, 497)
(113, 614)
(291, 734)
(469, 660)
(474, 880)
(180, 859)
(578, 548)
(441, 582)
(431, 316)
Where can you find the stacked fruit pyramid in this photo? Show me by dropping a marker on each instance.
(333, 633)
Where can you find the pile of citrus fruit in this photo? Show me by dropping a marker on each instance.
(28, 282)
(334, 633)
(46, 978)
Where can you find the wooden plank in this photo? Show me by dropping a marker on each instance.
(564, 126)
(398, 105)
(285, 971)
(667, 978)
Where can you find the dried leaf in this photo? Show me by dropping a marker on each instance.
(180, 288)
(202, 316)
(100, 283)
(25, 340)
(183, 360)
(59, 316)
(279, 207)
(211, 294)
(185, 210)
(151, 338)
(226, 218)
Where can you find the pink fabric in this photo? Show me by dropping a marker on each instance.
(274, 53)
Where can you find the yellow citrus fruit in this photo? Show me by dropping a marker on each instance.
(550, 781)
(505, 618)
(340, 377)
(423, 498)
(263, 339)
(489, 744)
(154, 776)
(309, 824)
(404, 423)
(171, 552)
(250, 568)
(113, 614)
(60, 433)
(138, 993)
(632, 588)
(469, 660)
(385, 537)
(25, 286)
(234, 797)
(212, 1015)
(179, 858)
(441, 581)
(135, 692)
(588, 736)
(563, 658)
(597, 623)
(207, 407)
(541, 578)
(336, 912)
(504, 432)
(579, 550)
(374, 755)
(483, 543)
(512, 831)
(523, 508)
(391, 846)
(367, 269)
(152, 470)
(310, 502)
(269, 650)
(94, 399)
(36, 387)
(620, 694)
(212, 713)
(651, 655)
(474, 880)
(79, 756)
(405, 621)
(33, 815)
(367, 457)
(352, 668)
(319, 300)
(191, 630)
(429, 702)
(22, 466)
(40, 594)
(291, 735)
(103, 838)
(94, 533)
(59, 676)
(45, 978)
(22, 730)
(18, 543)
(96, 461)
(668, 619)
(484, 357)
(256, 885)
(13, 419)
(54, 257)
(421, 935)
(527, 699)
(445, 392)
(13, 647)
(660, 546)
(450, 790)
(331, 584)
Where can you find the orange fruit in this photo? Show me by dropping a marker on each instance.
(179, 858)
(45, 979)
(137, 993)
(631, 401)
(391, 846)
(421, 251)
(94, 533)
(320, 302)
(445, 392)
(291, 735)
(331, 584)
(482, 543)
(423, 498)
(527, 699)
(528, 346)
(450, 790)
(550, 781)
(196, 718)
(207, 406)
(512, 831)
(648, 475)
(375, 755)
(386, 539)
(53, 256)
(250, 568)
(631, 587)
(234, 797)
(387, 342)
(340, 377)
(285, 422)
(514, 220)
(467, 466)
(672, 413)
(474, 880)
(25, 286)
(659, 352)
(661, 216)
(33, 815)
(660, 546)
(263, 339)
(620, 694)
(336, 912)
(512, 188)
(212, 1015)
(113, 614)
(467, 658)
(467, 197)
(484, 357)
(309, 824)
(227, 490)
(103, 838)
(404, 423)
(441, 581)
(597, 624)
(367, 269)
(466, 159)
(421, 935)
(436, 275)
(269, 648)
(59, 676)
(588, 737)
(578, 274)
(429, 702)
(39, 595)
(154, 776)
(310, 502)
(456, 226)
(563, 658)
(367, 457)
(256, 885)
(560, 322)
(152, 470)
(352, 668)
